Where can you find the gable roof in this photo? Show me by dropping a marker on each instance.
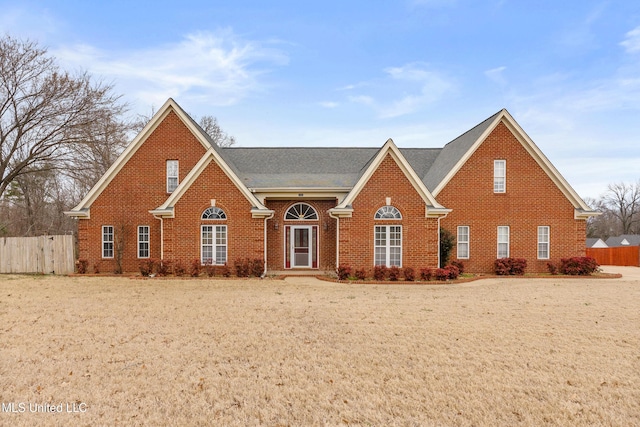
(595, 242)
(632, 240)
(455, 154)
(82, 209)
(298, 167)
(390, 148)
(167, 208)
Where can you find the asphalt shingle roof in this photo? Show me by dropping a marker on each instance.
(339, 167)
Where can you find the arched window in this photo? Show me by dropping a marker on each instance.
(388, 212)
(301, 211)
(214, 213)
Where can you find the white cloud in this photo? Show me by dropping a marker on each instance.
(420, 86)
(329, 104)
(496, 75)
(217, 67)
(631, 43)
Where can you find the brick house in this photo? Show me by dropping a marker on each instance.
(173, 195)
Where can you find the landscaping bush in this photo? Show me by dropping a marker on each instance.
(457, 263)
(82, 265)
(454, 271)
(96, 267)
(510, 266)
(578, 266)
(426, 274)
(447, 243)
(164, 267)
(179, 269)
(409, 274)
(224, 270)
(194, 271)
(441, 274)
(242, 267)
(146, 266)
(394, 273)
(343, 272)
(380, 272)
(257, 267)
(553, 269)
(361, 274)
(209, 269)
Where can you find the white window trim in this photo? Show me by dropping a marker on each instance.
(507, 242)
(547, 243)
(176, 176)
(310, 208)
(502, 177)
(148, 241)
(112, 241)
(214, 245)
(387, 244)
(466, 242)
(385, 210)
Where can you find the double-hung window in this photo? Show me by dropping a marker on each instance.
(499, 176)
(388, 245)
(213, 244)
(543, 242)
(107, 241)
(143, 241)
(503, 242)
(463, 242)
(172, 175)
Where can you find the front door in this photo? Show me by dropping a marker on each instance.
(301, 246)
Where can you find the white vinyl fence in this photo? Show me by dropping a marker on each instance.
(43, 254)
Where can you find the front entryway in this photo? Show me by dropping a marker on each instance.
(301, 246)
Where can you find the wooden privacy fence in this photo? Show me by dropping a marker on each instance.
(43, 254)
(622, 255)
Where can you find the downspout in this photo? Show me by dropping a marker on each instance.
(264, 273)
(337, 239)
(161, 238)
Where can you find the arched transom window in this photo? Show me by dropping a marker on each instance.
(301, 211)
(214, 213)
(388, 212)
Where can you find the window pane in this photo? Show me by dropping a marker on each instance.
(543, 242)
(499, 176)
(207, 235)
(395, 256)
(381, 256)
(503, 242)
(221, 235)
(172, 175)
(463, 241)
(221, 254)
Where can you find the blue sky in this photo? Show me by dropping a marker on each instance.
(354, 73)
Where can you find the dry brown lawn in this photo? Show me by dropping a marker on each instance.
(300, 352)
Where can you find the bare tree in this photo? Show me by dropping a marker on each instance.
(44, 111)
(623, 202)
(210, 125)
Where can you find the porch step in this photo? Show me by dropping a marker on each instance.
(297, 272)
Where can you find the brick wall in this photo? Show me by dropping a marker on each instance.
(245, 234)
(419, 234)
(326, 233)
(532, 199)
(139, 187)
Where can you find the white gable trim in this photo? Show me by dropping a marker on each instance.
(433, 207)
(82, 209)
(167, 208)
(583, 211)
